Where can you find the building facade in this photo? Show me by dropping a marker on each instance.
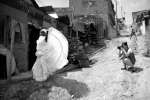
(84, 12)
(141, 21)
(20, 22)
(100, 8)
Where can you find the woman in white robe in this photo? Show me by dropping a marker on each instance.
(52, 52)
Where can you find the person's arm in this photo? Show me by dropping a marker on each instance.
(38, 53)
(120, 52)
(129, 52)
(121, 55)
(135, 36)
(42, 49)
(130, 36)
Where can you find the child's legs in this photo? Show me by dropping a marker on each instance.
(127, 62)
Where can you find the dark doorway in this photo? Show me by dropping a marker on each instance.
(33, 36)
(3, 68)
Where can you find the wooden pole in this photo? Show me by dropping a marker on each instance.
(72, 18)
(117, 17)
(77, 35)
(11, 50)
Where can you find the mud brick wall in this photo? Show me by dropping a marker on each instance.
(21, 57)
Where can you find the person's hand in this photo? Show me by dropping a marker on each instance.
(121, 57)
(38, 54)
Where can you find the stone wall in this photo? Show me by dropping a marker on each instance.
(101, 8)
(81, 7)
(20, 50)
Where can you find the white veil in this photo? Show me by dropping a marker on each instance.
(59, 44)
(53, 54)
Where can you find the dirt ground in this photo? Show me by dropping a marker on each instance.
(104, 80)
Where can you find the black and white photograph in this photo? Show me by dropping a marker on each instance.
(74, 49)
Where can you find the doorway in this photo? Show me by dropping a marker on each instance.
(3, 70)
(33, 36)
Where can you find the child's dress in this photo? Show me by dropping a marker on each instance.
(134, 43)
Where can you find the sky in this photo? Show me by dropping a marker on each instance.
(126, 7)
(54, 3)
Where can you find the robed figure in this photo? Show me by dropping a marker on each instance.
(52, 53)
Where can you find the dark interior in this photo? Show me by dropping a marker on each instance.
(3, 67)
(33, 36)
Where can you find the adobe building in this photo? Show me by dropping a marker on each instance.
(103, 9)
(141, 20)
(86, 12)
(20, 22)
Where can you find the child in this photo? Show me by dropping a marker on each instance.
(121, 55)
(129, 59)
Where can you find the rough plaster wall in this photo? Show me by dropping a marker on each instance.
(102, 8)
(80, 9)
(148, 27)
(21, 57)
(20, 50)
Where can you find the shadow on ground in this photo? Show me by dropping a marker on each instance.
(75, 88)
(135, 69)
(146, 55)
(24, 89)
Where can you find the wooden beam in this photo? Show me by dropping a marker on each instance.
(47, 9)
(11, 51)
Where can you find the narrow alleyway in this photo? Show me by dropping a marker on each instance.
(102, 81)
(106, 80)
